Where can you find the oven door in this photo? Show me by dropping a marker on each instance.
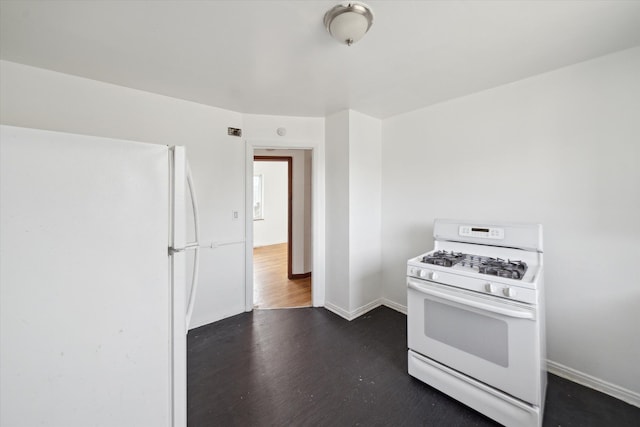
(486, 338)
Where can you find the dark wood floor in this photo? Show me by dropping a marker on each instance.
(309, 367)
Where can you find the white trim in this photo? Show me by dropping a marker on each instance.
(350, 315)
(366, 308)
(337, 310)
(317, 213)
(613, 390)
(248, 227)
(394, 305)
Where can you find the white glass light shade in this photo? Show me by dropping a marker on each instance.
(348, 22)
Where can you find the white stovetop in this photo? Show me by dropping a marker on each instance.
(532, 259)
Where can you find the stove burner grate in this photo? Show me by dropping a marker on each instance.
(499, 267)
(484, 265)
(443, 258)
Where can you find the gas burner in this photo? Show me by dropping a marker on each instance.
(484, 265)
(501, 268)
(472, 261)
(443, 258)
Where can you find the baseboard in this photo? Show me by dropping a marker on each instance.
(394, 305)
(605, 387)
(350, 315)
(336, 310)
(299, 276)
(366, 308)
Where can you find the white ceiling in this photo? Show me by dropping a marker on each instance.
(275, 57)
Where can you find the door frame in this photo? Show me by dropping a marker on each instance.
(318, 215)
(289, 161)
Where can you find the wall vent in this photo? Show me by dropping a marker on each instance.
(234, 132)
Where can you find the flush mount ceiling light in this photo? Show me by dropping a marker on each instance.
(349, 21)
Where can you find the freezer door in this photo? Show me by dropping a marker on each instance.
(85, 290)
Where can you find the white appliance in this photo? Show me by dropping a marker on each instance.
(475, 318)
(92, 281)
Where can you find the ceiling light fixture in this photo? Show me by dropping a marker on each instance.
(348, 21)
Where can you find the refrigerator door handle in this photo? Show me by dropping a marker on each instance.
(195, 246)
(188, 247)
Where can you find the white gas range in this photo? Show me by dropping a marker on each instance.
(476, 318)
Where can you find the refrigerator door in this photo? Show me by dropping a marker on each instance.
(194, 246)
(86, 298)
(177, 239)
(179, 245)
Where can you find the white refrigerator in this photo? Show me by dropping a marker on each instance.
(93, 299)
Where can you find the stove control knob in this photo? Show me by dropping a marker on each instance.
(509, 292)
(433, 276)
(421, 273)
(489, 288)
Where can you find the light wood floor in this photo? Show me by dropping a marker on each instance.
(271, 287)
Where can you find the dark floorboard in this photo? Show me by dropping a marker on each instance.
(308, 366)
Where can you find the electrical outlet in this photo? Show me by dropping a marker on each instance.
(235, 215)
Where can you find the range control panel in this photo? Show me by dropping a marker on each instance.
(481, 231)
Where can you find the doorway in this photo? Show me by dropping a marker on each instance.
(281, 229)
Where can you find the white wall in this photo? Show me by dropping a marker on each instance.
(273, 228)
(365, 139)
(37, 98)
(337, 211)
(562, 149)
(353, 212)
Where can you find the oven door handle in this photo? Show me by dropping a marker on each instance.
(506, 311)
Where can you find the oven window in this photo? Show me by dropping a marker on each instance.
(473, 333)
